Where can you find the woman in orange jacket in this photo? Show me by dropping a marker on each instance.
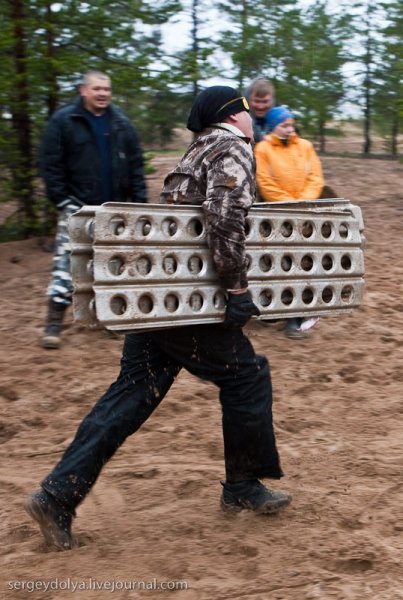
(287, 166)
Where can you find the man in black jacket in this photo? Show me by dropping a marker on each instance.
(90, 154)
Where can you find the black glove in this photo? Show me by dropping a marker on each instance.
(240, 308)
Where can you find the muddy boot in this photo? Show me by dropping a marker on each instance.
(53, 327)
(252, 495)
(53, 520)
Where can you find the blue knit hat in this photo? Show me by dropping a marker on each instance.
(277, 115)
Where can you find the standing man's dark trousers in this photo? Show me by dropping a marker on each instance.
(149, 365)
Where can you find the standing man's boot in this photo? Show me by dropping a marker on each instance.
(53, 327)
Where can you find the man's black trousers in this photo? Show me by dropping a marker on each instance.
(149, 365)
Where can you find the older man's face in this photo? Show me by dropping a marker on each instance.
(96, 94)
(244, 122)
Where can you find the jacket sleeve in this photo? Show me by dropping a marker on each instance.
(52, 163)
(138, 187)
(269, 190)
(230, 192)
(314, 181)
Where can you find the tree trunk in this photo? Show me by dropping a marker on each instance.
(394, 134)
(368, 84)
(367, 115)
(53, 86)
(22, 170)
(195, 46)
(322, 136)
(244, 21)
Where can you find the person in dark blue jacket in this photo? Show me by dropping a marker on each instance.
(261, 98)
(90, 154)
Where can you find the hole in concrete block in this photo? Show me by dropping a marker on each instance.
(169, 227)
(90, 268)
(118, 305)
(195, 264)
(286, 262)
(327, 294)
(90, 227)
(145, 303)
(196, 301)
(307, 263)
(265, 229)
(247, 227)
(287, 296)
(347, 294)
(266, 297)
(143, 227)
(326, 229)
(171, 302)
(307, 296)
(307, 229)
(117, 225)
(116, 265)
(195, 227)
(345, 262)
(286, 229)
(143, 265)
(265, 263)
(248, 262)
(327, 262)
(344, 231)
(169, 264)
(92, 307)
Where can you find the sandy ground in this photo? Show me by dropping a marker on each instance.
(153, 519)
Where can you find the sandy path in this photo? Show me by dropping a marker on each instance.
(153, 517)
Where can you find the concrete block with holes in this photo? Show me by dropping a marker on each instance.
(147, 266)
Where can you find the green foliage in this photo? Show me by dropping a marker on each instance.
(148, 167)
(388, 84)
(316, 74)
(260, 38)
(18, 226)
(47, 46)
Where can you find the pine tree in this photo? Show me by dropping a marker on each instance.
(260, 38)
(363, 49)
(388, 92)
(47, 48)
(316, 74)
(16, 106)
(193, 65)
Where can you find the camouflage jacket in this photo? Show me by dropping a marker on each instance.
(217, 171)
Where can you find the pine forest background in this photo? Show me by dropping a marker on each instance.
(328, 62)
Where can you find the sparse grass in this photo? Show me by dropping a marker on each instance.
(11, 231)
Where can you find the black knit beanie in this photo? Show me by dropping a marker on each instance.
(213, 104)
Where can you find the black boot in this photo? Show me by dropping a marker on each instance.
(253, 495)
(53, 327)
(53, 519)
